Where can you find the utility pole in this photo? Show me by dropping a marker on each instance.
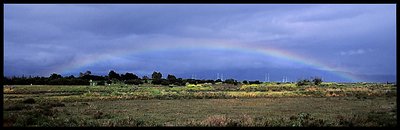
(265, 78)
(268, 77)
(283, 80)
(286, 79)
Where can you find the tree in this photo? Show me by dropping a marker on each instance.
(71, 77)
(156, 75)
(87, 72)
(317, 81)
(171, 78)
(55, 76)
(129, 76)
(210, 81)
(113, 75)
(218, 80)
(164, 82)
(145, 77)
(230, 81)
(179, 82)
(245, 82)
(7, 81)
(254, 82)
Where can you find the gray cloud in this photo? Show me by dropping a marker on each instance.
(44, 38)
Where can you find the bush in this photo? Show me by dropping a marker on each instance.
(165, 82)
(134, 81)
(101, 83)
(156, 81)
(231, 81)
(109, 81)
(303, 82)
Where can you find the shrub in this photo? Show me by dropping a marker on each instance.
(101, 83)
(134, 81)
(165, 82)
(303, 82)
(109, 81)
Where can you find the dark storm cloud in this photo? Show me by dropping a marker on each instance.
(41, 38)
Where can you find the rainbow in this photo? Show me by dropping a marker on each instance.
(211, 45)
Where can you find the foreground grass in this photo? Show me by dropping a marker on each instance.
(329, 104)
(307, 111)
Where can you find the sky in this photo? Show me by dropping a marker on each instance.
(338, 42)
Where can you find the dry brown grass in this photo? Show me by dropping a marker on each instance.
(217, 121)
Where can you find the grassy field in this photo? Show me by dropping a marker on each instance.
(328, 104)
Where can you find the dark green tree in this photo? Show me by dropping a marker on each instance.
(171, 78)
(245, 82)
(317, 81)
(218, 80)
(156, 76)
(87, 72)
(71, 77)
(145, 78)
(129, 76)
(113, 75)
(55, 76)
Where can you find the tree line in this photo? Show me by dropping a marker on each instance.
(87, 78)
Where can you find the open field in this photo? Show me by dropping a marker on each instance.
(329, 104)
